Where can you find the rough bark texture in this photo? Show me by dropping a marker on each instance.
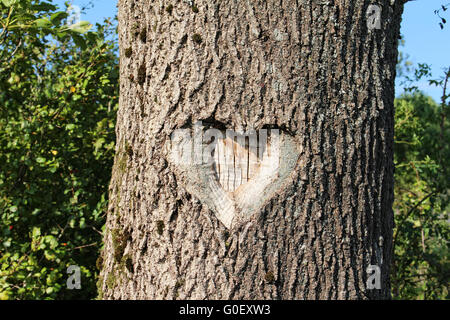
(310, 67)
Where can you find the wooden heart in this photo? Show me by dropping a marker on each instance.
(233, 174)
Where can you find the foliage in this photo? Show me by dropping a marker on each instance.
(438, 12)
(422, 198)
(58, 98)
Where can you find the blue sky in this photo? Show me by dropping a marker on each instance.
(425, 42)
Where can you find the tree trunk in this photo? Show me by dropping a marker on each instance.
(314, 71)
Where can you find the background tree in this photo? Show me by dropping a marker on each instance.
(312, 69)
(422, 184)
(58, 95)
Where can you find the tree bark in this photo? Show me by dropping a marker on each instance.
(314, 70)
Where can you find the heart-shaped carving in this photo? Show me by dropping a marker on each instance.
(233, 174)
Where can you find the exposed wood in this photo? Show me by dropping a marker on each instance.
(220, 184)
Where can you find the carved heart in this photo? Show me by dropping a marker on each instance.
(233, 174)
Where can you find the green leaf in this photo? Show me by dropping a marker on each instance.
(43, 6)
(57, 17)
(81, 27)
(98, 144)
(42, 23)
(8, 3)
(79, 41)
(36, 232)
